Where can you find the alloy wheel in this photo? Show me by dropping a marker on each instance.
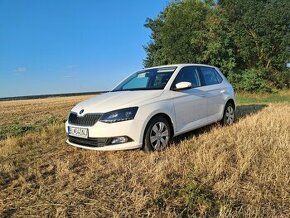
(230, 115)
(159, 136)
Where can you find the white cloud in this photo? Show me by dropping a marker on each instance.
(68, 76)
(72, 66)
(20, 70)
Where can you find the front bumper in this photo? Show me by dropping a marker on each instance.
(100, 132)
(117, 147)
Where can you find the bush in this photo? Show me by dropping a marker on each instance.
(251, 80)
(284, 79)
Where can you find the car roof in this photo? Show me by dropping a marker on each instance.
(180, 65)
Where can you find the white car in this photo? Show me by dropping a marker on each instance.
(150, 107)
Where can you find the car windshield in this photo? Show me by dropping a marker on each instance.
(150, 79)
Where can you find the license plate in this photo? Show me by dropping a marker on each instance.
(78, 132)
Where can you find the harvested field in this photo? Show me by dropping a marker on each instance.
(241, 170)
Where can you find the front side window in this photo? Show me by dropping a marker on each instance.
(210, 76)
(150, 79)
(188, 74)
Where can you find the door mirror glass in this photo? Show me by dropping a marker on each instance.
(182, 86)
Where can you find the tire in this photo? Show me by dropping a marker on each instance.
(229, 114)
(157, 134)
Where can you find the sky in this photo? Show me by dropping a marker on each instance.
(58, 46)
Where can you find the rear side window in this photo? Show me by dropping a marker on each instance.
(209, 76)
(188, 74)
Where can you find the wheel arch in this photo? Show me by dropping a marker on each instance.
(164, 115)
(229, 100)
(232, 102)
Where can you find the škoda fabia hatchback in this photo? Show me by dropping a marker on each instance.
(150, 107)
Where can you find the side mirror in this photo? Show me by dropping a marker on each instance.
(182, 86)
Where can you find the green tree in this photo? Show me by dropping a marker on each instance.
(259, 29)
(242, 37)
(187, 32)
(177, 33)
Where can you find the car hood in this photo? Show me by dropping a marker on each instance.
(116, 100)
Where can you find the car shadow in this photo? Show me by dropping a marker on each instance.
(241, 112)
(245, 110)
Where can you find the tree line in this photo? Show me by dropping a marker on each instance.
(247, 39)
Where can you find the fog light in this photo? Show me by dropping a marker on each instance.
(119, 140)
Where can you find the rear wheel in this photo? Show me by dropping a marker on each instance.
(157, 134)
(229, 114)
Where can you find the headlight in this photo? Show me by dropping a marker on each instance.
(119, 115)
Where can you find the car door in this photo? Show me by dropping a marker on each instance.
(213, 86)
(191, 104)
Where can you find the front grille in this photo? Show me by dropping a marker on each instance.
(86, 120)
(90, 142)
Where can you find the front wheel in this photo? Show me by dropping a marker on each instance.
(229, 114)
(157, 134)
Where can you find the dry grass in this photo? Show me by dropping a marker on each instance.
(238, 171)
(20, 116)
(31, 111)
